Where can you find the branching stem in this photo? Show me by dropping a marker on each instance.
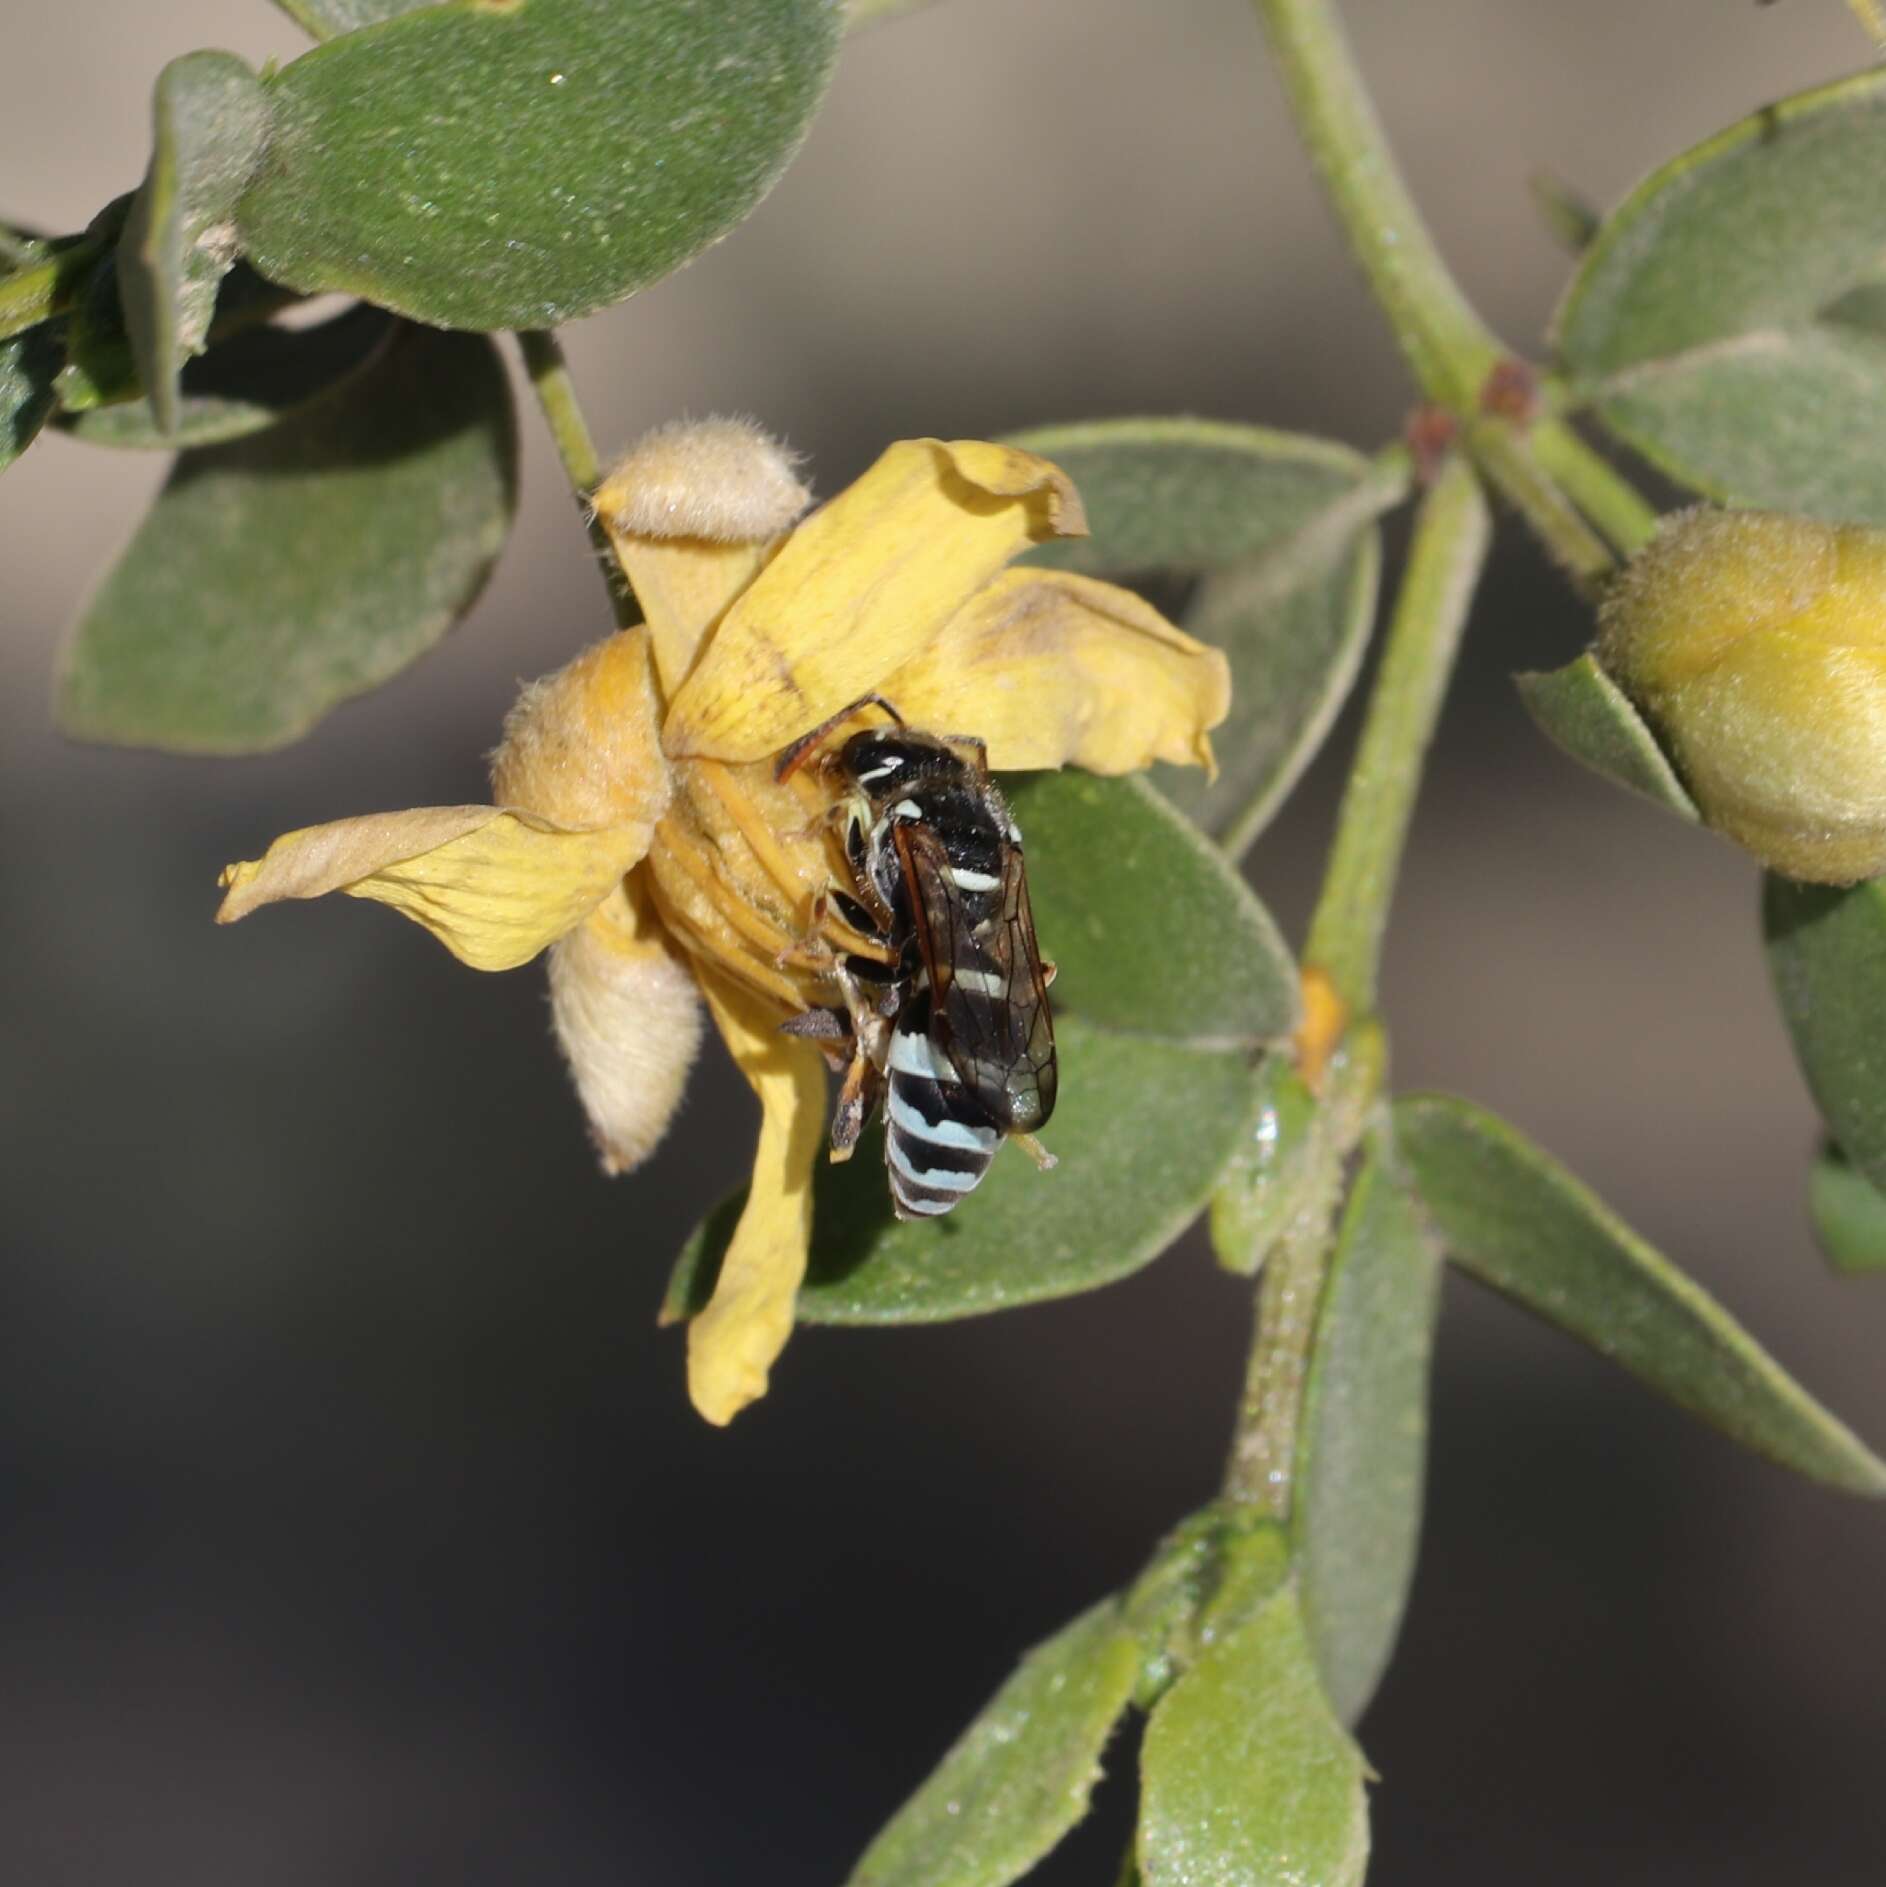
(1447, 344)
(1452, 532)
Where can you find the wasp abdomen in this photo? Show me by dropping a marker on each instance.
(938, 1138)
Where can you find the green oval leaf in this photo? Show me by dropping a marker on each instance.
(1827, 955)
(1582, 711)
(210, 122)
(1362, 1450)
(253, 381)
(277, 576)
(1716, 323)
(1142, 1130)
(1279, 527)
(1020, 1776)
(1151, 930)
(1246, 1777)
(517, 163)
(328, 19)
(1848, 1212)
(29, 371)
(1512, 1217)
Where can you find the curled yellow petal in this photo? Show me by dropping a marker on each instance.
(494, 887)
(692, 511)
(862, 587)
(628, 1016)
(733, 1343)
(1056, 670)
(582, 746)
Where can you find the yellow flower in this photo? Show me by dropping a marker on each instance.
(639, 833)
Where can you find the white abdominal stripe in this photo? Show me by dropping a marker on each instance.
(937, 1141)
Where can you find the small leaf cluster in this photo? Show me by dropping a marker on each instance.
(342, 490)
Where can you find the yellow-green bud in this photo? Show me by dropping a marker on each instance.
(1755, 645)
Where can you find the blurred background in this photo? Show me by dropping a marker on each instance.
(353, 1525)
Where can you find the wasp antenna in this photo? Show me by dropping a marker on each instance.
(793, 757)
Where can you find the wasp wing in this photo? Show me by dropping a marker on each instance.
(989, 999)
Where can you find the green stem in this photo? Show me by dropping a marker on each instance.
(1452, 532)
(549, 372)
(1261, 1472)
(1602, 493)
(1505, 453)
(1447, 344)
(1451, 535)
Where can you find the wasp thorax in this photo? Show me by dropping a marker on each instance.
(1755, 645)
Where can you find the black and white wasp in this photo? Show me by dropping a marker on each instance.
(953, 1030)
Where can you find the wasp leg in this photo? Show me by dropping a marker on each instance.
(1049, 971)
(856, 1098)
(827, 1031)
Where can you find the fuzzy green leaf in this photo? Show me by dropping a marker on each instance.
(1848, 1212)
(516, 163)
(1715, 321)
(279, 575)
(328, 19)
(210, 121)
(1278, 526)
(1515, 1219)
(1247, 1779)
(29, 369)
(253, 381)
(1142, 1130)
(1151, 929)
(1587, 715)
(1363, 1446)
(1020, 1776)
(1827, 955)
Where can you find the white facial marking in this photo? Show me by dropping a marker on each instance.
(942, 1133)
(906, 809)
(966, 880)
(889, 764)
(913, 1054)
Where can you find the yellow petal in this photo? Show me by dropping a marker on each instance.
(628, 1016)
(863, 586)
(583, 746)
(1055, 670)
(732, 1344)
(493, 887)
(692, 512)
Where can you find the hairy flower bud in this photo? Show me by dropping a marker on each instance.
(1755, 645)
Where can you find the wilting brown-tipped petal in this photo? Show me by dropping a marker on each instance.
(734, 1342)
(1056, 670)
(862, 587)
(494, 887)
(692, 511)
(628, 1016)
